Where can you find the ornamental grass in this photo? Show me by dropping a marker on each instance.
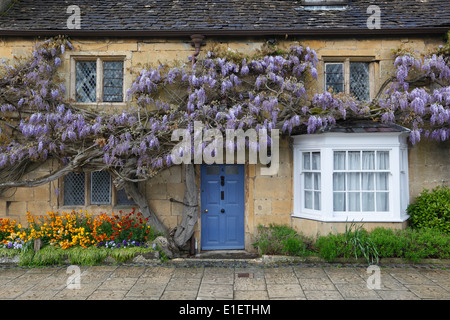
(80, 229)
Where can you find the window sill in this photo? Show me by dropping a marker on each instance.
(367, 217)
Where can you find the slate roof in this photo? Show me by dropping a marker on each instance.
(222, 16)
(363, 126)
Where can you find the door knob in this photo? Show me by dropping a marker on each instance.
(206, 211)
(223, 210)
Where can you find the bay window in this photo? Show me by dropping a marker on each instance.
(351, 176)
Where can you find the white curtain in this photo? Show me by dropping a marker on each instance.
(339, 160)
(354, 184)
(368, 184)
(316, 160)
(312, 191)
(312, 186)
(361, 191)
(306, 161)
(383, 160)
(383, 197)
(354, 160)
(368, 160)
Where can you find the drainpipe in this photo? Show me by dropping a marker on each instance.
(197, 43)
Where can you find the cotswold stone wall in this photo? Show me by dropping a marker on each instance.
(429, 166)
(268, 198)
(16, 202)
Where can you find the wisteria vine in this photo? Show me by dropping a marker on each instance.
(266, 92)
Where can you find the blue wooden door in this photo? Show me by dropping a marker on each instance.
(222, 217)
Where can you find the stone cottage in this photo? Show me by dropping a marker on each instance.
(352, 172)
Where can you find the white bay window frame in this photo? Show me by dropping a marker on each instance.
(327, 143)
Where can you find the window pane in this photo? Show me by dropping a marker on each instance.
(100, 187)
(316, 160)
(383, 160)
(308, 181)
(232, 170)
(306, 161)
(382, 201)
(122, 198)
(316, 200)
(353, 181)
(339, 160)
(308, 200)
(338, 201)
(382, 181)
(354, 160)
(368, 201)
(212, 170)
(339, 182)
(359, 80)
(334, 77)
(74, 189)
(113, 81)
(368, 181)
(368, 160)
(354, 201)
(316, 181)
(86, 81)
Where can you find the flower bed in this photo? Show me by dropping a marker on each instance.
(77, 237)
(73, 229)
(410, 244)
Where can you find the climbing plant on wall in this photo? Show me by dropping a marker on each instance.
(269, 90)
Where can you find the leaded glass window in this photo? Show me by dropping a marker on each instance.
(74, 189)
(86, 81)
(357, 83)
(113, 81)
(100, 187)
(335, 77)
(359, 80)
(99, 78)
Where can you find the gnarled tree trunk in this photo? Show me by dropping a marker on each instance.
(133, 191)
(185, 230)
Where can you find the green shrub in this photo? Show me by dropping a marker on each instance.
(328, 246)
(431, 209)
(281, 239)
(411, 244)
(354, 242)
(389, 243)
(427, 243)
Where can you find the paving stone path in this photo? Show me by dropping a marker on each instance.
(233, 282)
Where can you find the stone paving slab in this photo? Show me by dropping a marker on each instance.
(227, 282)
